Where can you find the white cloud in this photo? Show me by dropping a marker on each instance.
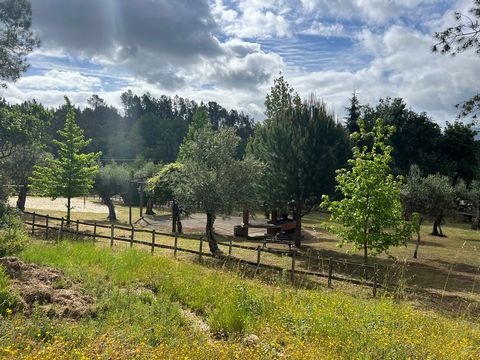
(253, 19)
(403, 66)
(325, 30)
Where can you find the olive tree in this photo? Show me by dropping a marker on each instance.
(111, 180)
(212, 179)
(161, 189)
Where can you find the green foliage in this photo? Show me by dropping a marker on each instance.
(199, 122)
(112, 180)
(211, 178)
(9, 301)
(370, 211)
(12, 233)
(301, 148)
(281, 98)
(161, 186)
(441, 195)
(72, 173)
(413, 194)
(460, 151)
(17, 40)
(21, 125)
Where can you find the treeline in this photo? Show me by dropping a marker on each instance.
(222, 161)
(150, 128)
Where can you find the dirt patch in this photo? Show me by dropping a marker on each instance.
(47, 288)
(60, 204)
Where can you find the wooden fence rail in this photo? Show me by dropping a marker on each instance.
(293, 270)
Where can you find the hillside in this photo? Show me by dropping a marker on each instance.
(158, 307)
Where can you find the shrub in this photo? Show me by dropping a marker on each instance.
(12, 233)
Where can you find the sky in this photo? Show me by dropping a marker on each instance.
(229, 51)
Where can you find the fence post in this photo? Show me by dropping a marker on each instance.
(230, 248)
(130, 214)
(175, 245)
(200, 251)
(292, 274)
(330, 270)
(132, 235)
(153, 240)
(259, 249)
(112, 231)
(94, 231)
(77, 228)
(374, 280)
(33, 223)
(60, 234)
(46, 227)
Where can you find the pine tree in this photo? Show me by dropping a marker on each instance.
(353, 114)
(72, 172)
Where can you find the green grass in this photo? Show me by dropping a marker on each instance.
(138, 314)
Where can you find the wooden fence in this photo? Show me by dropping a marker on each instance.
(94, 233)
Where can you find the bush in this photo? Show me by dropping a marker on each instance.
(12, 233)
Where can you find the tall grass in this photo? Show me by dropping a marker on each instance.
(137, 311)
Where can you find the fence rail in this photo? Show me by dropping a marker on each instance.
(62, 229)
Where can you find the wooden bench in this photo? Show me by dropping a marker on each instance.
(279, 238)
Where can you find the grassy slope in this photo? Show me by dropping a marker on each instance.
(290, 322)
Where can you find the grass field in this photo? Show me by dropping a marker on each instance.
(444, 277)
(141, 302)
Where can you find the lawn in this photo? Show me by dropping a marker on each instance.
(159, 307)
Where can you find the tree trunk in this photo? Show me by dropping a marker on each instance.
(476, 221)
(69, 207)
(212, 242)
(176, 223)
(298, 224)
(111, 208)
(179, 225)
(365, 252)
(437, 227)
(149, 207)
(415, 253)
(22, 197)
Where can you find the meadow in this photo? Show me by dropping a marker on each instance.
(156, 306)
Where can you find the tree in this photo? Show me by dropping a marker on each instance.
(354, 114)
(199, 122)
(415, 201)
(72, 172)
(474, 199)
(416, 140)
(370, 211)
(281, 98)
(441, 196)
(111, 180)
(456, 39)
(212, 179)
(301, 148)
(161, 189)
(16, 38)
(21, 125)
(459, 151)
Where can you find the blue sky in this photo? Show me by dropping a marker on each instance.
(229, 51)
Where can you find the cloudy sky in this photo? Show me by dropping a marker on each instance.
(230, 50)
